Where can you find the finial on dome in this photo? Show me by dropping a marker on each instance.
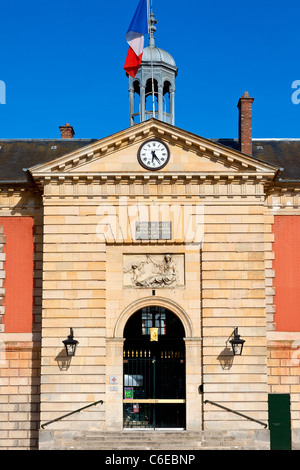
(152, 29)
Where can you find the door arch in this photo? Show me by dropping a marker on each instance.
(154, 369)
(169, 304)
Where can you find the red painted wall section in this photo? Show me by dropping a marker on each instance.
(18, 283)
(286, 231)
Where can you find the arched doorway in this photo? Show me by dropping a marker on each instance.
(154, 370)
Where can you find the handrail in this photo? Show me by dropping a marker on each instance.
(71, 413)
(236, 412)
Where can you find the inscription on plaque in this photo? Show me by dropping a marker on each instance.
(153, 230)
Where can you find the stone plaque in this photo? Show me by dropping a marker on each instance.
(153, 230)
(154, 271)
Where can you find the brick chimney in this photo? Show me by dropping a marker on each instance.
(66, 131)
(245, 123)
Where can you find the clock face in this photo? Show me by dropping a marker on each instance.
(153, 154)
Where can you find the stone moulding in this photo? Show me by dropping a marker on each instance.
(149, 301)
(140, 183)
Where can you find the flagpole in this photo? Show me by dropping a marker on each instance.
(150, 44)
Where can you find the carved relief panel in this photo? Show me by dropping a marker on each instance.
(153, 271)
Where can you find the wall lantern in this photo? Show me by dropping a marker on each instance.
(70, 343)
(237, 343)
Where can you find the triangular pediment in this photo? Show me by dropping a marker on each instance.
(189, 155)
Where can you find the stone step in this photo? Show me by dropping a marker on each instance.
(176, 449)
(157, 442)
(154, 440)
(153, 435)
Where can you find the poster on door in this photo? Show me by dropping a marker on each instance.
(136, 408)
(128, 393)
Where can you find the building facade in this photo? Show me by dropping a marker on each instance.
(153, 245)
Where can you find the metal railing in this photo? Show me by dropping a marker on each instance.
(71, 413)
(167, 117)
(205, 401)
(236, 412)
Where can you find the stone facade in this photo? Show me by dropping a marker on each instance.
(216, 202)
(2, 275)
(220, 204)
(20, 352)
(283, 346)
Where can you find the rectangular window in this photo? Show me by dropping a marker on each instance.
(152, 318)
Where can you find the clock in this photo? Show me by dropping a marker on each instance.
(153, 154)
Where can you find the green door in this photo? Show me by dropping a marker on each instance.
(280, 421)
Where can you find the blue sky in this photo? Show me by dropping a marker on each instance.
(63, 62)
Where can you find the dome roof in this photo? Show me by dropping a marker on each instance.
(158, 55)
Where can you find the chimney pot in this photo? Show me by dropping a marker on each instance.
(66, 131)
(245, 123)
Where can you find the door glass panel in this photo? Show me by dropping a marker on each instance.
(137, 415)
(147, 415)
(170, 415)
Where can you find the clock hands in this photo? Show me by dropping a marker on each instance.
(154, 156)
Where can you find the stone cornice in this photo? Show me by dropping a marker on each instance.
(169, 177)
(284, 186)
(283, 197)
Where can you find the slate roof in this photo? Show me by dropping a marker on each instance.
(19, 154)
(283, 153)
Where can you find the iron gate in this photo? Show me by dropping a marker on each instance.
(154, 388)
(154, 370)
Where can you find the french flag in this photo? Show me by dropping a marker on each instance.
(135, 38)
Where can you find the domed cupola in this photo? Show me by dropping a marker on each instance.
(152, 90)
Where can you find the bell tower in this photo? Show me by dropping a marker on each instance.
(152, 90)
